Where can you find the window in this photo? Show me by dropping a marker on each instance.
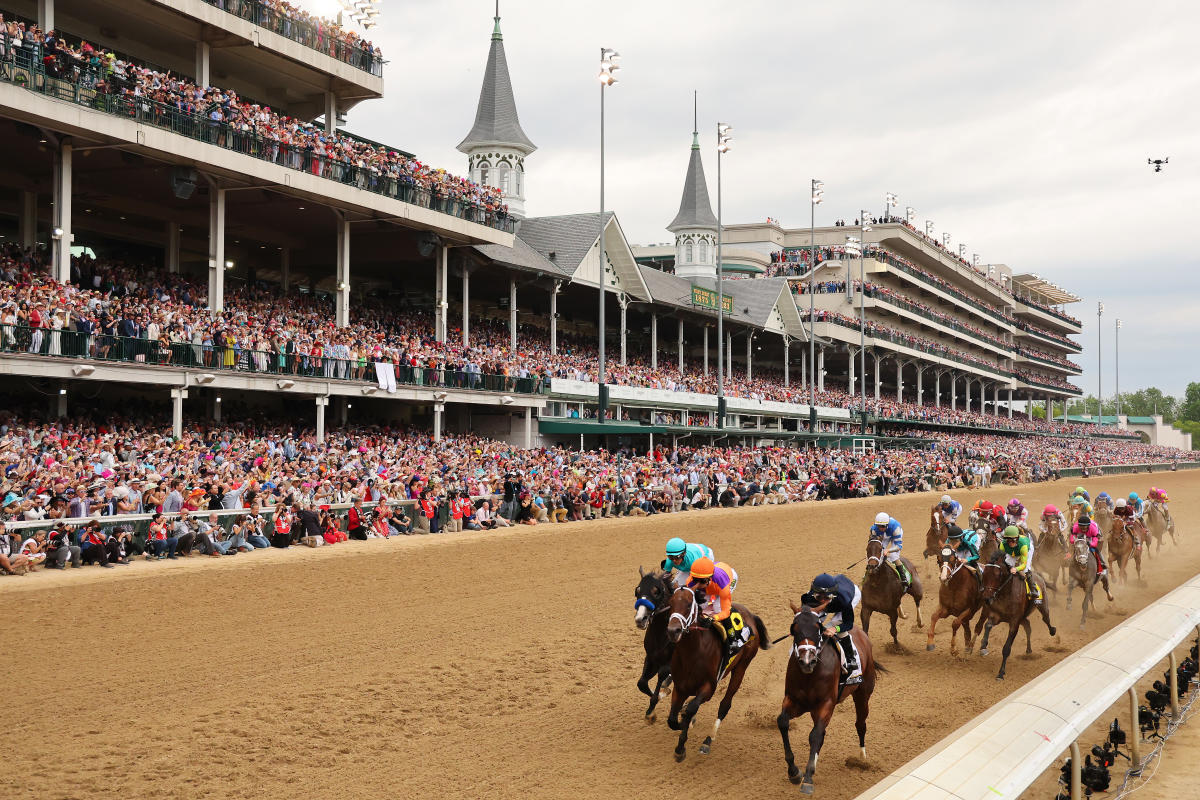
(518, 179)
(483, 173)
(503, 180)
(687, 253)
(703, 251)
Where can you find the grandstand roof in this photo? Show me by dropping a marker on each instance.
(521, 255)
(496, 120)
(695, 209)
(753, 301)
(1051, 291)
(569, 237)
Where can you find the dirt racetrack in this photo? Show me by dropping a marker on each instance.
(471, 665)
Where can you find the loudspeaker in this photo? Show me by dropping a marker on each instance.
(183, 182)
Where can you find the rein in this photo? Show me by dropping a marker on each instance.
(999, 588)
(797, 647)
(687, 622)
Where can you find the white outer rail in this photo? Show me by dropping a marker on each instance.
(1006, 748)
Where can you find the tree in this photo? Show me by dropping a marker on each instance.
(1190, 408)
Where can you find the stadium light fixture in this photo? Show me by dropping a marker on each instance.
(285, 383)
(929, 228)
(946, 239)
(440, 397)
(889, 202)
(818, 194)
(608, 65)
(507, 400)
(910, 214)
(724, 143)
(962, 251)
(81, 370)
(206, 377)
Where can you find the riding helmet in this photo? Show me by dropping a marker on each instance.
(824, 584)
(1050, 511)
(676, 547)
(1012, 532)
(882, 518)
(946, 500)
(1084, 521)
(1133, 497)
(953, 532)
(1121, 502)
(702, 567)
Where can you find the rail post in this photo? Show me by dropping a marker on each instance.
(1076, 773)
(1173, 682)
(1135, 731)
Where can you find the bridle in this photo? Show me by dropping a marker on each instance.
(873, 562)
(801, 646)
(946, 564)
(1082, 551)
(1001, 586)
(693, 613)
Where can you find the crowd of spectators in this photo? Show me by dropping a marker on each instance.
(272, 484)
(224, 118)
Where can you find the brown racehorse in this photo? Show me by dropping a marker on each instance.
(958, 598)
(1156, 524)
(989, 542)
(1083, 573)
(1103, 519)
(812, 687)
(935, 537)
(696, 662)
(1050, 553)
(1005, 600)
(881, 588)
(1124, 542)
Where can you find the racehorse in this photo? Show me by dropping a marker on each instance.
(1156, 524)
(1103, 519)
(1050, 553)
(881, 589)
(1083, 573)
(1123, 542)
(650, 615)
(989, 542)
(696, 662)
(958, 598)
(1005, 600)
(935, 537)
(813, 687)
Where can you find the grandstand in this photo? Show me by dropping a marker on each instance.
(258, 247)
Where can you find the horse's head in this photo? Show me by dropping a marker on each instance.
(684, 613)
(994, 576)
(947, 561)
(807, 637)
(935, 537)
(1081, 551)
(651, 592)
(874, 552)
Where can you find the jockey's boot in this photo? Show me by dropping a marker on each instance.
(852, 666)
(902, 573)
(1034, 590)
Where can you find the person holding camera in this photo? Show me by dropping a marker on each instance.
(61, 550)
(12, 561)
(93, 545)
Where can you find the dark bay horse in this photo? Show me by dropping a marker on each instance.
(989, 542)
(1050, 553)
(1083, 573)
(1157, 525)
(881, 588)
(958, 598)
(811, 687)
(1005, 600)
(1124, 541)
(650, 615)
(935, 537)
(696, 663)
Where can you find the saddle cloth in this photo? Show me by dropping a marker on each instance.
(844, 678)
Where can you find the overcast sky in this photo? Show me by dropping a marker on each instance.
(1022, 128)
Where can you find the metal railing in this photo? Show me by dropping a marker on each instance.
(1044, 359)
(1059, 341)
(316, 37)
(46, 342)
(1048, 310)
(1043, 384)
(892, 261)
(876, 293)
(97, 91)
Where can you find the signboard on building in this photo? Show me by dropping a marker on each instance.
(707, 298)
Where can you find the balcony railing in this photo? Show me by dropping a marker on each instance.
(316, 36)
(50, 343)
(23, 69)
(942, 319)
(1067, 318)
(892, 261)
(1059, 341)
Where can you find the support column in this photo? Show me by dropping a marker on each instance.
(171, 246)
(937, 388)
(1010, 403)
(920, 383)
(60, 401)
(216, 409)
(27, 223)
(1049, 411)
(177, 398)
(343, 411)
(899, 381)
(61, 237)
(321, 403)
(850, 378)
(466, 309)
(203, 64)
(820, 374)
(654, 341)
(330, 112)
(996, 399)
(728, 355)
(749, 356)
(528, 428)
(967, 392)
(785, 360)
(442, 294)
(342, 310)
(216, 249)
(877, 381)
(285, 269)
(953, 391)
(439, 409)
(680, 346)
(512, 314)
(46, 15)
(706, 351)
(803, 366)
(554, 289)
(623, 302)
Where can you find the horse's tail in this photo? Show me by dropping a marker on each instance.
(764, 640)
(881, 668)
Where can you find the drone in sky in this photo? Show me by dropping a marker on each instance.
(1157, 163)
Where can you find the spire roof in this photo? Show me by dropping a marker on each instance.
(695, 209)
(496, 121)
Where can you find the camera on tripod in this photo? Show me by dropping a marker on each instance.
(1093, 777)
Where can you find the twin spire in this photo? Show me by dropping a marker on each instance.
(496, 120)
(695, 209)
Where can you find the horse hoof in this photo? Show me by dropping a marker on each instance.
(651, 718)
(794, 778)
(999, 677)
(680, 756)
(704, 748)
(807, 788)
(929, 648)
(1053, 632)
(983, 651)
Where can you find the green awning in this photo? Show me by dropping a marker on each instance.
(576, 427)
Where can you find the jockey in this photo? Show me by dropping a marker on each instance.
(1127, 514)
(999, 519)
(1103, 499)
(981, 510)
(1136, 504)
(680, 557)
(891, 534)
(950, 509)
(1080, 492)
(1158, 496)
(834, 598)
(1091, 531)
(965, 544)
(1018, 554)
(713, 584)
(1051, 514)
(1081, 506)
(1017, 514)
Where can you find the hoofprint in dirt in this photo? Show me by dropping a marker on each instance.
(473, 664)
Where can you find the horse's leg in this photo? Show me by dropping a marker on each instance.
(784, 718)
(677, 698)
(689, 714)
(1107, 590)
(1012, 635)
(1070, 592)
(862, 707)
(1044, 610)
(987, 625)
(933, 621)
(816, 738)
(893, 617)
(965, 619)
(663, 674)
(1087, 598)
(867, 611)
(1028, 635)
(955, 624)
(643, 683)
(735, 683)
